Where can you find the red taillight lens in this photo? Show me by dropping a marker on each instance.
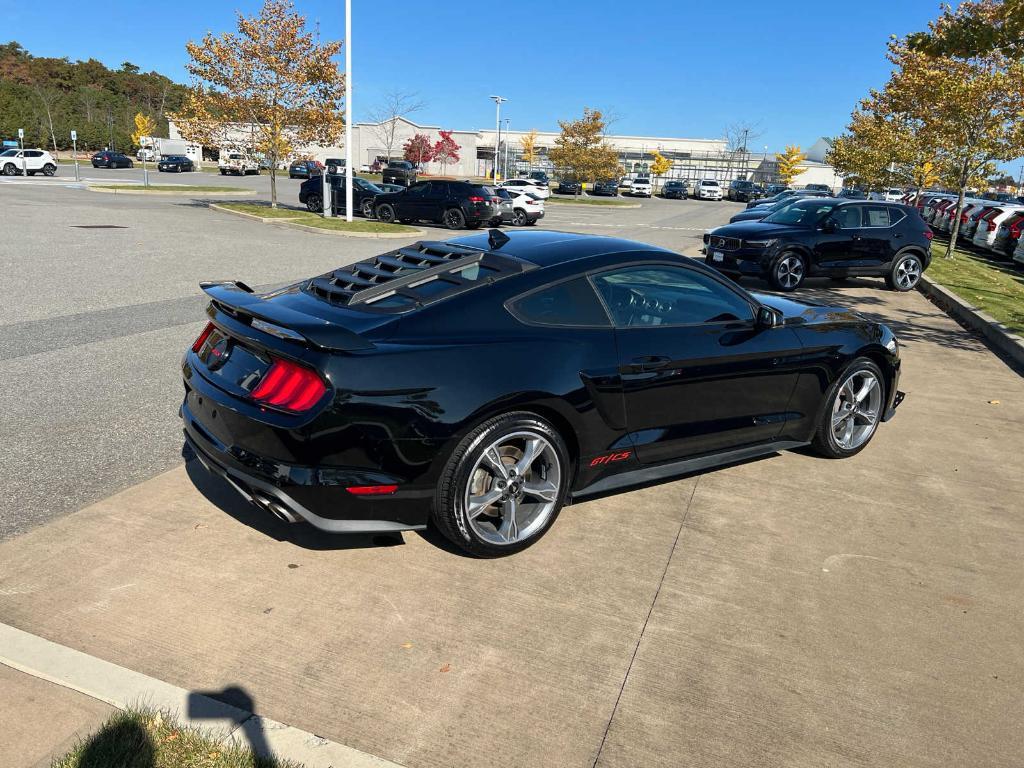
(1015, 230)
(371, 490)
(963, 218)
(198, 343)
(477, 199)
(289, 387)
(929, 234)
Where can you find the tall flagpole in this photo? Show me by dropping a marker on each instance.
(348, 111)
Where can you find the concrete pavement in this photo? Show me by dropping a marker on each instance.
(789, 611)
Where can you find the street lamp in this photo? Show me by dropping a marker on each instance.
(507, 121)
(498, 101)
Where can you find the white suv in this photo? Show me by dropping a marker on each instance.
(34, 161)
(707, 189)
(641, 187)
(532, 186)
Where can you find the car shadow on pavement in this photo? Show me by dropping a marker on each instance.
(219, 492)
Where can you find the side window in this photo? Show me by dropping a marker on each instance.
(666, 295)
(876, 216)
(572, 303)
(418, 190)
(33, 153)
(848, 217)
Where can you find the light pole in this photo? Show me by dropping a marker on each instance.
(348, 111)
(507, 121)
(745, 131)
(498, 101)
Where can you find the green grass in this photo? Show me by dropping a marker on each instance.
(148, 739)
(996, 287)
(264, 210)
(171, 188)
(588, 201)
(358, 225)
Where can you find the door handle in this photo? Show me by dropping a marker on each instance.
(897, 236)
(651, 362)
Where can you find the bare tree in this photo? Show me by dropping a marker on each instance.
(48, 99)
(738, 136)
(394, 105)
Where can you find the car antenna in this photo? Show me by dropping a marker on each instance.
(496, 238)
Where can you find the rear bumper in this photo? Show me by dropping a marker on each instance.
(316, 495)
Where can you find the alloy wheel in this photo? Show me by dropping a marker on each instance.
(907, 273)
(856, 410)
(513, 489)
(789, 271)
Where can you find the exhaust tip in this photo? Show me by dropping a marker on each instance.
(276, 508)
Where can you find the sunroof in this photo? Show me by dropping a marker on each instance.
(410, 277)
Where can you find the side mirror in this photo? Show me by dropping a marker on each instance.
(767, 317)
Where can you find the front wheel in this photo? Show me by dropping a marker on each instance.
(503, 485)
(905, 273)
(851, 412)
(453, 218)
(386, 213)
(788, 271)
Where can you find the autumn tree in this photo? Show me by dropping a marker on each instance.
(661, 164)
(976, 28)
(385, 116)
(265, 88)
(789, 163)
(445, 150)
(418, 149)
(968, 109)
(580, 149)
(528, 143)
(144, 127)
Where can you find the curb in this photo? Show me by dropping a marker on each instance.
(122, 688)
(290, 223)
(253, 216)
(559, 201)
(167, 193)
(996, 334)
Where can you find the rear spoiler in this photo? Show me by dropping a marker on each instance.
(237, 300)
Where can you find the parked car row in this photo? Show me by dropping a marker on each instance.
(986, 225)
(807, 235)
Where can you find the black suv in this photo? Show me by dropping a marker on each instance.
(674, 190)
(456, 204)
(608, 187)
(400, 172)
(825, 236)
(743, 191)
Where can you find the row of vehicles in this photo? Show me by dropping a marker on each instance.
(988, 226)
(798, 234)
(453, 204)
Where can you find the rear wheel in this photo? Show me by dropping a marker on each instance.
(519, 217)
(49, 169)
(453, 218)
(10, 169)
(852, 411)
(314, 203)
(223, 172)
(788, 271)
(503, 485)
(905, 274)
(386, 213)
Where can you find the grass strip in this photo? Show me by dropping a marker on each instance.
(359, 225)
(995, 287)
(264, 210)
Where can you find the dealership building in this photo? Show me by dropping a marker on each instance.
(690, 158)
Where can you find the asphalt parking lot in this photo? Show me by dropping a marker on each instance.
(789, 611)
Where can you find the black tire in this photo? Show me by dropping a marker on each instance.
(223, 171)
(905, 273)
(453, 218)
(519, 217)
(824, 441)
(788, 271)
(49, 169)
(314, 203)
(10, 169)
(366, 208)
(449, 509)
(385, 213)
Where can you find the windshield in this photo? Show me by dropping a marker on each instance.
(709, 183)
(9, 153)
(804, 213)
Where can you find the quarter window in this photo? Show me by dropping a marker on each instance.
(665, 295)
(876, 216)
(572, 303)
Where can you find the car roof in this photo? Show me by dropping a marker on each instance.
(547, 248)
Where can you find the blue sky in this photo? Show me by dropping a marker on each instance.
(663, 68)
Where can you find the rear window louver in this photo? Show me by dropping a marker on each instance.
(413, 276)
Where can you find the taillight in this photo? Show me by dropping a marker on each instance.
(991, 225)
(477, 199)
(290, 387)
(198, 343)
(963, 218)
(1015, 230)
(928, 234)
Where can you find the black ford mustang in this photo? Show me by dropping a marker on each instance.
(484, 382)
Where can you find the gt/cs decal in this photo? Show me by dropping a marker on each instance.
(609, 458)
